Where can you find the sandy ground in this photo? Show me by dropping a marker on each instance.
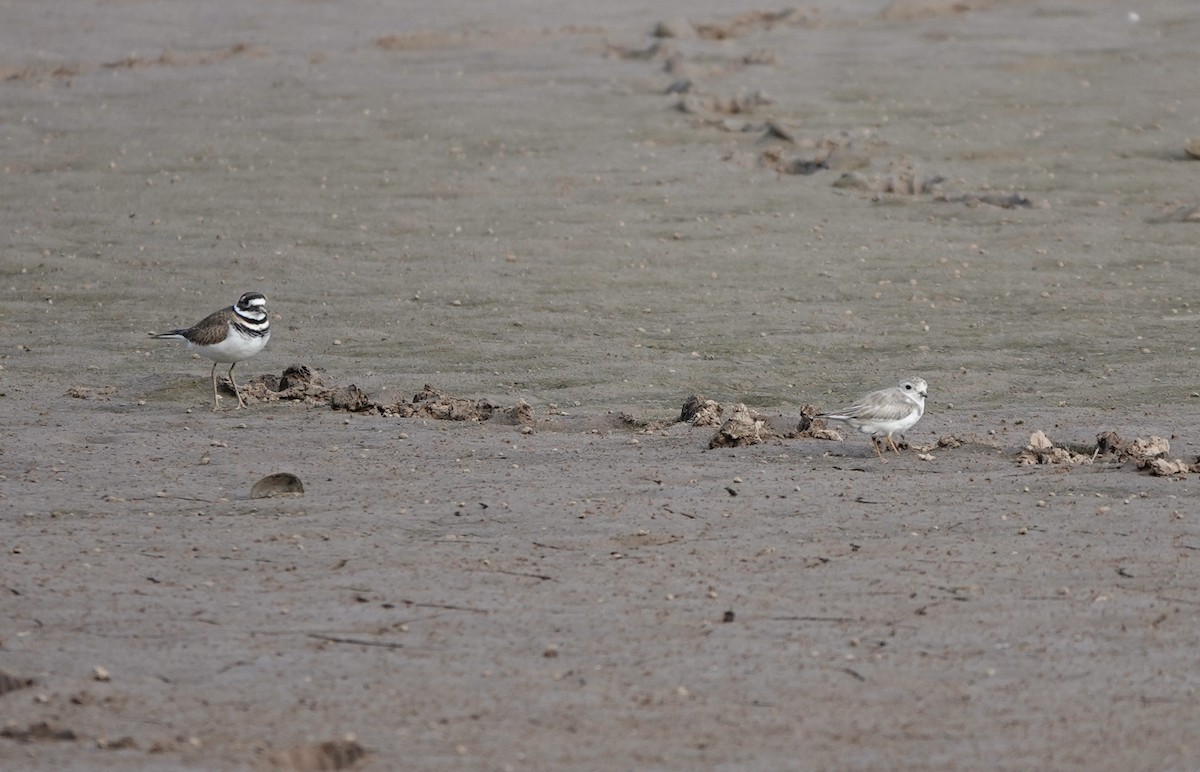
(503, 201)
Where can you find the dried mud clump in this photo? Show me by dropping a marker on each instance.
(811, 427)
(912, 10)
(839, 151)
(903, 179)
(641, 425)
(1178, 213)
(298, 377)
(753, 21)
(421, 40)
(742, 24)
(297, 383)
(1041, 450)
(1137, 449)
(86, 392)
(1161, 467)
(737, 104)
(699, 411)
(1148, 455)
(301, 384)
(120, 744)
(432, 403)
(351, 399)
(38, 73)
(741, 428)
(674, 28)
(170, 58)
(39, 732)
(1015, 200)
(681, 43)
(329, 755)
(12, 683)
(657, 50)
(520, 413)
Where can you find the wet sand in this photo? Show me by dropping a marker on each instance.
(590, 214)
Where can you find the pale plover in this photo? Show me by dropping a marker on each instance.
(885, 412)
(230, 335)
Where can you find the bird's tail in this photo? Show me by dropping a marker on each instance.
(175, 334)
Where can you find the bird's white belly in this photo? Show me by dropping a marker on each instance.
(881, 427)
(235, 348)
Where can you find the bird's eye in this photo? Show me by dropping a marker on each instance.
(908, 386)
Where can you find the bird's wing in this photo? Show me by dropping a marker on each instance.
(878, 405)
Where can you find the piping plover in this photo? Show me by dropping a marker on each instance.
(885, 412)
(229, 335)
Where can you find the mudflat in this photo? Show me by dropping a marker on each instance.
(504, 244)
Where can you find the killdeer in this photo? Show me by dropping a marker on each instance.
(885, 412)
(229, 335)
